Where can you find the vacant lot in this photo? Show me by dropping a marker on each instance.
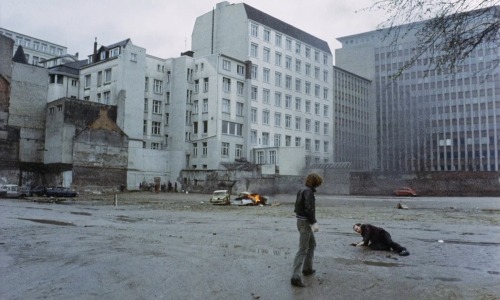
(177, 246)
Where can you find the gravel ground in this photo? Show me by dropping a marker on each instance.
(177, 246)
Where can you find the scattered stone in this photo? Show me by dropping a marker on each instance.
(402, 206)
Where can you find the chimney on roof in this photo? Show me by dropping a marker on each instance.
(95, 50)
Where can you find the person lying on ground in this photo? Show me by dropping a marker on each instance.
(377, 238)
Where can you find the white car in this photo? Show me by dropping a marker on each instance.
(9, 191)
(221, 197)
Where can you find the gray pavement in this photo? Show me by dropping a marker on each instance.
(177, 246)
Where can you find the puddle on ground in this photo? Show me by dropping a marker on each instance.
(128, 219)
(52, 222)
(369, 263)
(381, 264)
(414, 277)
(81, 213)
(42, 208)
(446, 279)
(259, 250)
(457, 242)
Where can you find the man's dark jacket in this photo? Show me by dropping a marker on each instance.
(305, 206)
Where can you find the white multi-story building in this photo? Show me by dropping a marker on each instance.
(427, 120)
(282, 87)
(38, 51)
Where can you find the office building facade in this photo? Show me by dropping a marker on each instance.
(426, 119)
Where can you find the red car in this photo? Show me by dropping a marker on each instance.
(405, 191)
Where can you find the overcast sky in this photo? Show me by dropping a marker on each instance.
(164, 27)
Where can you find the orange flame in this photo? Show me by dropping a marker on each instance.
(256, 198)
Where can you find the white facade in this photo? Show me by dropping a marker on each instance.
(123, 75)
(288, 84)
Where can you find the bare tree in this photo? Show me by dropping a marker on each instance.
(447, 30)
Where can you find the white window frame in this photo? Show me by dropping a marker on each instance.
(156, 107)
(155, 128)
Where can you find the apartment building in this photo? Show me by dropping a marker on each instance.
(429, 120)
(287, 88)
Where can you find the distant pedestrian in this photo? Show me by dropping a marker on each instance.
(305, 210)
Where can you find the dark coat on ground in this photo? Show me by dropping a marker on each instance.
(378, 238)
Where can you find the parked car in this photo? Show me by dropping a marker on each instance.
(9, 191)
(37, 191)
(405, 191)
(221, 197)
(60, 191)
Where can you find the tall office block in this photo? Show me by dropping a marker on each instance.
(353, 130)
(429, 120)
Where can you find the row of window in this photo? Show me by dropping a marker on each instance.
(288, 61)
(226, 106)
(298, 86)
(226, 65)
(308, 123)
(297, 104)
(104, 98)
(225, 149)
(34, 44)
(107, 78)
(288, 44)
(264, 140)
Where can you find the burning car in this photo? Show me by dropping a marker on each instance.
(248, 199)
(220, 197)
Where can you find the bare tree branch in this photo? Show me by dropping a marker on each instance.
(447, 30)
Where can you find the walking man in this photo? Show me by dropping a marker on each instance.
(306, 224)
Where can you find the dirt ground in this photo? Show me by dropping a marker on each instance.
(177, 246)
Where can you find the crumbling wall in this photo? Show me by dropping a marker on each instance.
(9, 149)
(87, 178)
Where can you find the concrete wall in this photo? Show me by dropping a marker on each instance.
(428, 183)
(335, 182)
(28, 96)
(214, 32)
(6, 46)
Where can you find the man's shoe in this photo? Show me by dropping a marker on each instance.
(404, 253)
(297, 282)
(308, 272)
